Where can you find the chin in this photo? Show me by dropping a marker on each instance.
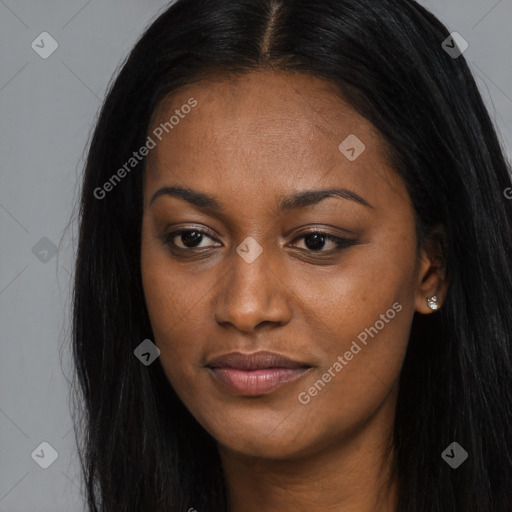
(258, 447)
(261, 436)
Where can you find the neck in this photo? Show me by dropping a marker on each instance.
(352, 474)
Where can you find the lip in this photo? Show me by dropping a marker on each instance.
(257, 373)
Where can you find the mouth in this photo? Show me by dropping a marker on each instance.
(256, 374)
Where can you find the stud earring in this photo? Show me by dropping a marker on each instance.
(432, 302)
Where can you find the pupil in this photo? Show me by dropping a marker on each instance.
(318, 241)
(191, 237)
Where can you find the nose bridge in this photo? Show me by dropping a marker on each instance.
(251, 293)
(252, 264)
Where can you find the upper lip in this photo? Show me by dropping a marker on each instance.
(255, 361)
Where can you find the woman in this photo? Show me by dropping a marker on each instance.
(293, 285)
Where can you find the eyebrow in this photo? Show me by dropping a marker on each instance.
(292, 202)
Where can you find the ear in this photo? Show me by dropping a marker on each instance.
(431, 271)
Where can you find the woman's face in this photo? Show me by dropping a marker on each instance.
(248, 276)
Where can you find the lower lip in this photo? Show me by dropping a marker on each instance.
(257, 382)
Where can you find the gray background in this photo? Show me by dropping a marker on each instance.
(47, 111)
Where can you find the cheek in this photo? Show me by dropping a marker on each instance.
(167, 309)
(176, 325)
(353, 295)
(178, 322)
(359, 379)
(365, 337)
(366, 311)
(177, 302)
(171, 293)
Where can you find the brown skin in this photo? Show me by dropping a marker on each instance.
(249, 142)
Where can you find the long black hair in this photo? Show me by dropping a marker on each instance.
(140, 449)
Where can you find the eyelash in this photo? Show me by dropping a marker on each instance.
(341, 243)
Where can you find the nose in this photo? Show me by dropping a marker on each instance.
(252, 294)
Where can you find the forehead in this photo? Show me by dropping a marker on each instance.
(263, 130)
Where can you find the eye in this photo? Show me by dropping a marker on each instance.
(188, 238)
(315, 241)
